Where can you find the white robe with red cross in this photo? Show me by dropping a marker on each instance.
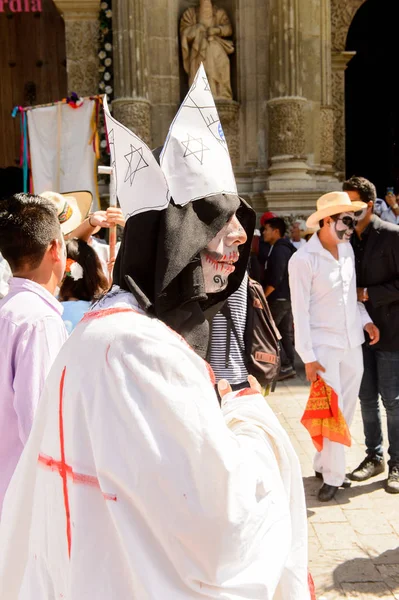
(134, 484)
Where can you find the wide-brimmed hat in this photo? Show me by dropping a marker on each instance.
(331, 204)
(72, 208)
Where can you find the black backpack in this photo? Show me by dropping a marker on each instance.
(261, 337)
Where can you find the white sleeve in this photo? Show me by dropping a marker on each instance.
(300, 278)
(364, 315)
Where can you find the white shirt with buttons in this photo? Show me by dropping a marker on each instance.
(324, 299)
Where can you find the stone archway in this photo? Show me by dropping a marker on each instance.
(342, 14)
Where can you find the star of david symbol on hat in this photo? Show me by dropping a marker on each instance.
(206, 82)
(194, 147)
(136, 163)
(111, 137)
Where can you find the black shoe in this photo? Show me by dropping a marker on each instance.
(327, 492)
(286, 373)
(392, 486)
(345, 484)
(369, 467)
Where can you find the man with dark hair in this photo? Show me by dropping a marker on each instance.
(376, 247)
(30, 318)
(363, 189)
(277, 289)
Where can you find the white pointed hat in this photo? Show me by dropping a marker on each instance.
(139, 181)
(195, 158)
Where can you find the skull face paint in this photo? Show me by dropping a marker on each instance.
(221, 253)
(342, 227)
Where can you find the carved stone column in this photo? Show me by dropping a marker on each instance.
(81, 34)
(229, 112)
(131, 106)
(339, 63)
(287, 108)
(326, 108)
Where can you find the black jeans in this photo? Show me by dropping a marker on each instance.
(282, 315)
(380, 377)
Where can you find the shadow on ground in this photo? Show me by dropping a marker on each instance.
(374, 577)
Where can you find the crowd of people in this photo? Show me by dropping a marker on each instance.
(130, 466)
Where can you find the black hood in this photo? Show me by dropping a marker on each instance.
(159, 262)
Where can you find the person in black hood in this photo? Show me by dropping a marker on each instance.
(159, 261)
(277, 290)
(178, 489)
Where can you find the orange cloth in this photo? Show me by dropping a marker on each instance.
(323, 417)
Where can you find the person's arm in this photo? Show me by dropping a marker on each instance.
(388, 292)
(36, 351)
(276, 268)
(300, 278)
(393, 205)
(368, 325)
(89, 226)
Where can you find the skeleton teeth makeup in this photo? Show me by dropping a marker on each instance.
(219, 256)
(342, 227)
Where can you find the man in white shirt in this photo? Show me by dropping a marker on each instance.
(329, 321)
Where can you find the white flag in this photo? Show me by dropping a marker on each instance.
(195, 157)
(139, 181)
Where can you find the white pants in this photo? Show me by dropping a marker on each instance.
(344, 370)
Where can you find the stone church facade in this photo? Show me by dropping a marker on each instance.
(285, 123)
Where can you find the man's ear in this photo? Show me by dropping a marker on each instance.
(57, 250)
(370, 206)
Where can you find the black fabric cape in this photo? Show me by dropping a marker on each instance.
(159, 262)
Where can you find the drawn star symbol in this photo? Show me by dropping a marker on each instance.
(111, 137)
(194, 147)
(206, 82)
(136, 163)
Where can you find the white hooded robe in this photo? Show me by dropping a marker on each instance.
(134, 483)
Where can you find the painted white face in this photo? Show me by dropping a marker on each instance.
(343, 226)
(221, 253)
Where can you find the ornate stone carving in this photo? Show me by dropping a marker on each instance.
(338, 78)
(342, 13)
(229, 116)
(135, 115)
(287, 127)
(327, 136)
(203, 30)
(82, 59)
(75, 9)
(339, 62)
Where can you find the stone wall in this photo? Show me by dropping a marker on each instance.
(81, 36)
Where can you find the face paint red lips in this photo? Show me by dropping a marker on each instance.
(225, 263)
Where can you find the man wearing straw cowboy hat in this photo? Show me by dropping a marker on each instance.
(329, 321)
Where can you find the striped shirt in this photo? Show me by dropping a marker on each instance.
(236, 371)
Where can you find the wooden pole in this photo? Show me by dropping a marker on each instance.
(112, 230)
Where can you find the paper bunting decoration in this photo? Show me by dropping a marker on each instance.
(139, 181)
(195, 157)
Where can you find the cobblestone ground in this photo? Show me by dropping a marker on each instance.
(354, 539)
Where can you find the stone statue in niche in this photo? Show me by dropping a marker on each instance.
(203, 30)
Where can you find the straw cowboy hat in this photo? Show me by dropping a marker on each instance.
(331, 204)
(72, 208)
